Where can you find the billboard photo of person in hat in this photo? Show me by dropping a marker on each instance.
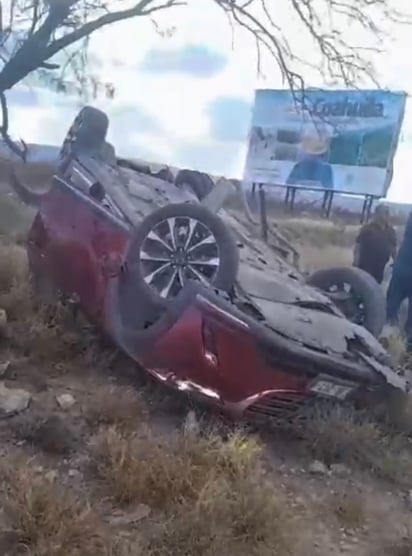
(313, 167)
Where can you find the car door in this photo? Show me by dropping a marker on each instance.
(99, 239)
(51, 242)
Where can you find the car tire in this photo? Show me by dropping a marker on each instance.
(87, 132)
(363, 285)
(201, 184)
(222, 264)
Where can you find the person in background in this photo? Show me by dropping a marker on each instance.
(376, 244)
(400, 286)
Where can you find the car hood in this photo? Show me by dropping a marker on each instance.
(329, 334)
(318, 330)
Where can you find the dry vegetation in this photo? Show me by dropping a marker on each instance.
(109, 477)
(341, 434)
(42, 518)
(322, 243)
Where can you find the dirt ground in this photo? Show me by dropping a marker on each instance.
(98, 460)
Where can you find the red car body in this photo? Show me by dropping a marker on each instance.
(265, 349)
(203, 343)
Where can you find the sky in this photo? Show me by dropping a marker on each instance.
(185, 98)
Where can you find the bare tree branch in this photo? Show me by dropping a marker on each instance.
(35, 16)
(21, 152)
(141, 9)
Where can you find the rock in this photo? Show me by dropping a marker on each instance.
(13, 400)
(51, 475)
(340, 469)
(124, 519)
(300, 501)
(318, 468)
(3, 322)
(65, 401)
(74, 473)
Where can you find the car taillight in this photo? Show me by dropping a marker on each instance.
(209, 344)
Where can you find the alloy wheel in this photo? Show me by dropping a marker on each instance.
(178, 249)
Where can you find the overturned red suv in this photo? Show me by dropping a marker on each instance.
(190, 291)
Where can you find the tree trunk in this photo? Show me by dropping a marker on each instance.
(33, 51)
(25, 61)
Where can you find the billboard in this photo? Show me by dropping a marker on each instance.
(338, 140)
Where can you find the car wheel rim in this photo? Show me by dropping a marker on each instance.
(176, 250)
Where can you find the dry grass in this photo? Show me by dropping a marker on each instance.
(47, 335)
(343, 435)
(116, 405)
(44, 334)
(45, 519)
(320, 232)
(395, 415)
(52, 336)
(50, 434)
(15, 294)
(243, 518)
(335, 434)
(321, 243)
(15, 218)
(394, 342)
(214, 495)
(15, 297)
(13, 268)
(15, 291)
(316, 258)
(146, 469)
